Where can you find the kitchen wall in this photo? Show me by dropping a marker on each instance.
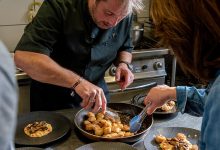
(145, 13)
(14, 15)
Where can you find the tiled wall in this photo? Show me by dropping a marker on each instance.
(13, 19)
(145, 12)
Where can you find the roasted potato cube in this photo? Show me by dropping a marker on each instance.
(120, 125)
(121, 134)
(92, 119)
(86, 122)
(107, 130)
(99, 131)
(89, 127)
(100, 115)
(181, 136)
(116, 129)
(90, 114)
(160, 138)
(126, 128)
(128, 134)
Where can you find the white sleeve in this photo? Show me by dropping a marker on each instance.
(8, 99)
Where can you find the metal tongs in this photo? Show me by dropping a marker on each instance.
(136, 122)
(112, 115)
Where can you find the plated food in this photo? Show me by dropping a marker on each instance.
(179, 142)
(169, 138)
(101, 125)
(38, 129)
(167, 107)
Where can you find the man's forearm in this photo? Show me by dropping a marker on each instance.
(42, 68)
(124, 56)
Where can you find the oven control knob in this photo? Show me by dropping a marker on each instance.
(144, 67)
(112, 71)
(158, 65)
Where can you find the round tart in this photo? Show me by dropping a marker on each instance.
(38, 129)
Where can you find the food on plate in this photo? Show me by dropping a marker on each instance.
(179, 142)
(100, 125)
(167, 106)
(38, 129)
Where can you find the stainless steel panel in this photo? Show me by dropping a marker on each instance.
(127, 95)
(142, 68)
(24, 96)
(146, 53)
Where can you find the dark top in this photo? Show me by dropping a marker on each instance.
(64, 30)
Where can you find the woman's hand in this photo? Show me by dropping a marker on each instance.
(158, 96)
(91, 95)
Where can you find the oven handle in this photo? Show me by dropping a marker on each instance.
(152, 84)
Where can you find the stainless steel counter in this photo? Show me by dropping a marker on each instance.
(20, 75)
(24, 91)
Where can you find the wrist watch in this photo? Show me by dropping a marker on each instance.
(129, 65)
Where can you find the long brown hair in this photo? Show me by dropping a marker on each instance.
(192, 29)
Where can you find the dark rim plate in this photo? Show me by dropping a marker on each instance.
(138, 100)
(150, 144)
(106, 146)
(172, 111)
(60, 125)
(29, 148)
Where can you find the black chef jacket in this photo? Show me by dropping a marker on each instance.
(64, 30)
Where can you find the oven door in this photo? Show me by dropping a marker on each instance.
(139, 86)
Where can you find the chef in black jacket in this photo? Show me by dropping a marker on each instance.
(68, 47)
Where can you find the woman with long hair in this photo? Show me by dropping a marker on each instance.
(192, 29)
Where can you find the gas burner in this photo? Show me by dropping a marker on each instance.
(138, 100)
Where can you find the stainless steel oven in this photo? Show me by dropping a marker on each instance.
(23, 81)
(149, 70)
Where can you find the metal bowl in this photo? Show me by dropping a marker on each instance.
(124, 108)
(137, 33)
(137, 30)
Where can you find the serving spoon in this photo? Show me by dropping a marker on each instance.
(136, 122)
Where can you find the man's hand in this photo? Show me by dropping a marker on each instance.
(123, 76)
(47, 71)
(91, 95)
